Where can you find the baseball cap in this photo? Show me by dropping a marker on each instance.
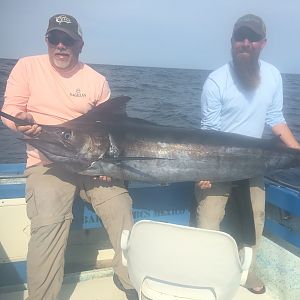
(67, 24)
(253, 22)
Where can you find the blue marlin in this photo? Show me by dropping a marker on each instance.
(105, 141)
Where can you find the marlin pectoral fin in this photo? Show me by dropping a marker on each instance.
(17, 121)
(120, 159)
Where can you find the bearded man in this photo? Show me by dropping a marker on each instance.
(241, 97)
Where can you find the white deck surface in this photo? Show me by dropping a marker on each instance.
(104, 289)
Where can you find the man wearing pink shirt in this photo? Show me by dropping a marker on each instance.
(51, 89)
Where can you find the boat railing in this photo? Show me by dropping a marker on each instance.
(283, 206)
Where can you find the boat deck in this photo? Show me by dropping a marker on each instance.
(103, 288)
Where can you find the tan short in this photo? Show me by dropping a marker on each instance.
(50, 192)
(211, 211)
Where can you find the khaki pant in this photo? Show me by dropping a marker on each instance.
(50, 192)
(211, 211)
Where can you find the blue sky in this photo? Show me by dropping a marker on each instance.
(161, 33)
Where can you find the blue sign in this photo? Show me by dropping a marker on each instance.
(170, 203)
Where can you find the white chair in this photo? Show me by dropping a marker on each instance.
(167, 261)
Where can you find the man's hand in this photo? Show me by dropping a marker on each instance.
(286, 135)
(204, 184)
(30, 130)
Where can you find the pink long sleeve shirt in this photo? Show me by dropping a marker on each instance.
(51, 97)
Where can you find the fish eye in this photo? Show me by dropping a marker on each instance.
(67, 134)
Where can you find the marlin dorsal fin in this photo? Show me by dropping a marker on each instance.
(115, 107)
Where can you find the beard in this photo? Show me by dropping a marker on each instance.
(246, 68)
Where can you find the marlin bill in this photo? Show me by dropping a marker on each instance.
(105, 141)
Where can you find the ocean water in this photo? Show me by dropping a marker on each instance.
(163, 95)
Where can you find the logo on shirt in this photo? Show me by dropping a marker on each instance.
(78, 93)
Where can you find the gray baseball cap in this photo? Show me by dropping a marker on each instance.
(67, 24)
(253, 22)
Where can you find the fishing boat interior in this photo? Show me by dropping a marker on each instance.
(164, 221)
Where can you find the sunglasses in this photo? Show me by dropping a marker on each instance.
(65, 40)
(251, 36)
